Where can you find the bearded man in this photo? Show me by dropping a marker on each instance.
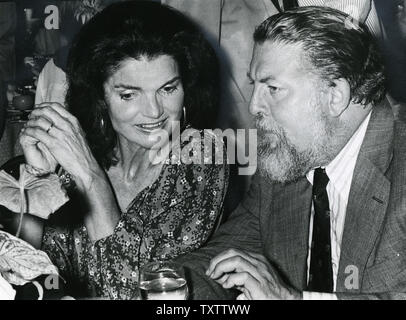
(325, 216)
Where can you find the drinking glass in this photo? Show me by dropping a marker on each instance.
(162, 281)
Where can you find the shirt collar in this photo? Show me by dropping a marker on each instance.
(341, 168)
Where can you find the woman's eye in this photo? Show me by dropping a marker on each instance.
(127, 96)
(169, 89)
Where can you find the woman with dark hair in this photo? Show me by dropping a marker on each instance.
(137, 72)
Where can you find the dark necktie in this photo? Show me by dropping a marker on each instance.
(321, 271)
(287, 4)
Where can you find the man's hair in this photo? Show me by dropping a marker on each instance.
(336, 45)
(137, 29)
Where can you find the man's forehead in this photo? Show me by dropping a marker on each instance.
(272, 59)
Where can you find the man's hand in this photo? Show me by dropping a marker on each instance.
(250, 273)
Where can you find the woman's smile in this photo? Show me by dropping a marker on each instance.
(152, 126)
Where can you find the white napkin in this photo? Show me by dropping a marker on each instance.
(39, 196)
(6, 290)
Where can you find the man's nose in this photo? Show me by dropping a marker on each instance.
(153, 108)
(257, 103)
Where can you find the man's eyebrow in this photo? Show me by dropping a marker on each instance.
(128, 86)
(266, 79)
(263, 80)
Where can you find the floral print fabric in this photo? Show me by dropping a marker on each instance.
(173, 216)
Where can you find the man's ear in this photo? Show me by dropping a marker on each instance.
(339, 97)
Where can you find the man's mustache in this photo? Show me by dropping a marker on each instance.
(265, 127)
(260, 123)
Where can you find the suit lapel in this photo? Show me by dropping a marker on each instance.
(290, 229)
(369, 195)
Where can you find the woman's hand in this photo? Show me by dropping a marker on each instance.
(53, 127)
(53, 135)
(35, 152)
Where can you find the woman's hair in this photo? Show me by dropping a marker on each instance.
(134, 30)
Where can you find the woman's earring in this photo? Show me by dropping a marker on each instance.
(102, 124)
(184, 117)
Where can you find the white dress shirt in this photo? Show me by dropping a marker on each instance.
(340, 172)
(354, 8)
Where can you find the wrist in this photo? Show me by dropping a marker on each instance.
(91, 180)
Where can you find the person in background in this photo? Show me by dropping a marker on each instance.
(3, 106)
(7, 54)
(52, 84)
(130, 79)
(363, 11)
(401, 17)
(325, 214)
(393, 15)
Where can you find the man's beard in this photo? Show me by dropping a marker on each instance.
(281, 161)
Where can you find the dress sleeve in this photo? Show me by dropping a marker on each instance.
(56, 242)
(103, 268)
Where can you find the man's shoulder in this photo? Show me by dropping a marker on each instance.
(266, 190)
